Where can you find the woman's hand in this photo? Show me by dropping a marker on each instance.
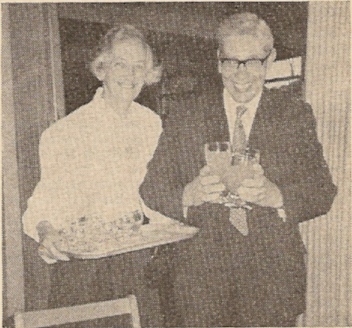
(50, 241)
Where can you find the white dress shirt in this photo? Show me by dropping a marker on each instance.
(247, 118)
(92, 163)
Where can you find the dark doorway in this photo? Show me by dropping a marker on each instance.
(189, 61)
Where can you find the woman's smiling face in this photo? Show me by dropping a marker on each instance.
(126, 70)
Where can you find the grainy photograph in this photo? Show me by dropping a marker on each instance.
(176, 164)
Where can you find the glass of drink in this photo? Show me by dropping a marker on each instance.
(241, 169)
(130, 223)
(218, 156)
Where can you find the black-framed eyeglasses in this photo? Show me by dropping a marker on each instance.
(250, 64)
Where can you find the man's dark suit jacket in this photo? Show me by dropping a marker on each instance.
(269, 261)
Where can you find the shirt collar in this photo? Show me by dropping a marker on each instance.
(99, 102)
(231, 104)
(247, 118)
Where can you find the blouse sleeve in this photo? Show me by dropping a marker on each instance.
(55, 196)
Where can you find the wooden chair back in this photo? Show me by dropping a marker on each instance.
(85, 312)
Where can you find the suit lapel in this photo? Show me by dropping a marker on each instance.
(257, 135)
(216, 125)
(216, 121)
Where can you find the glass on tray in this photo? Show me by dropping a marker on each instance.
(93, 232)
(124, 226)
(131, 222)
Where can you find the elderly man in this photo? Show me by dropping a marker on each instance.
(245, 267)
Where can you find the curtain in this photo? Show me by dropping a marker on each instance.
(328, 91)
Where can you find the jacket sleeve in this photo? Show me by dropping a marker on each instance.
(162, 188)
(309, 191)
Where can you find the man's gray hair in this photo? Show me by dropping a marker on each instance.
(119, 34)
(245, 24)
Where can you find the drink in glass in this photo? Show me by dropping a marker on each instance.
(241, 169)
(218, 156)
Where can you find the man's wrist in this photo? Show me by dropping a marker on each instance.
(185, 211)
(188, 196)
(280, 199)
(280, 207)
(282, 213)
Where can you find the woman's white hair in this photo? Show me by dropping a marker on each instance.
(245, 24)
(116, 35)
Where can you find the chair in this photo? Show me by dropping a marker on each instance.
(50, 317)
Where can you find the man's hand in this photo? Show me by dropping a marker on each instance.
(204, 188)
(260, 190)
(50, 241)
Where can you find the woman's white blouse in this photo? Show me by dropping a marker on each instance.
(92, 163)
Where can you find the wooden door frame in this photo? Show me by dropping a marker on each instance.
(32, 99)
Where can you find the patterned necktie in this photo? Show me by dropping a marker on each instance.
(238, 216)
(239, 139)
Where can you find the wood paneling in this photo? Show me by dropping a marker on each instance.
(13, 280)
(37, 95)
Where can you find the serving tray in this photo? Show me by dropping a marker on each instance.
(149, 235)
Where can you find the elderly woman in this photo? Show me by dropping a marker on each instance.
(92, 164)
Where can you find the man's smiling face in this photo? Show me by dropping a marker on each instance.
(244, 83)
